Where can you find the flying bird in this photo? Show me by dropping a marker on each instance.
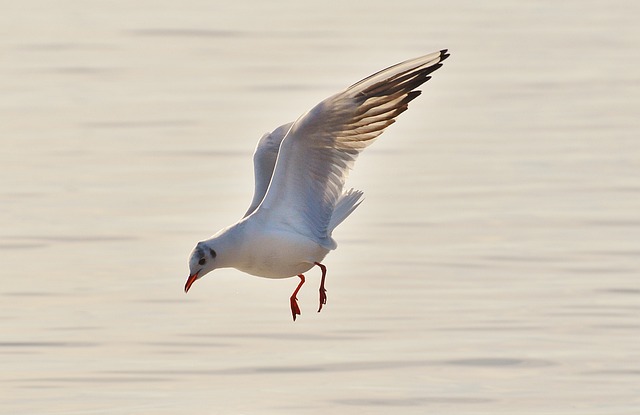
(300, 171)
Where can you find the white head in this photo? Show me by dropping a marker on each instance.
(201, 262)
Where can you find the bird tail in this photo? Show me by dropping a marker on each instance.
(346, 204)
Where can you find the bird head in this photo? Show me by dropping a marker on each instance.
(201, 262)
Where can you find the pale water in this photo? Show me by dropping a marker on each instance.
(494, 267)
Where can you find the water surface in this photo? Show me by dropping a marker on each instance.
(493, 267)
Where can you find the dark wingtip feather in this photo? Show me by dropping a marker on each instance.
(431, 68)
(412, 95)
(444, 54)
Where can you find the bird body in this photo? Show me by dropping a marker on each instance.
(254, 247)
(300, 171)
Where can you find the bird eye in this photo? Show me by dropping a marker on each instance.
(202, 261)
(213, 253)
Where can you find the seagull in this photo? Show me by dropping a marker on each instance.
(300, 171)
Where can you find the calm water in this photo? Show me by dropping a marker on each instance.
(494, 267)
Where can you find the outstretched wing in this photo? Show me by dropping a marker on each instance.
(320, 148)
(264, 161)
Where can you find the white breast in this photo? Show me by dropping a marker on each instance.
(279, 254)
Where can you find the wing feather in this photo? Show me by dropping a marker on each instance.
(264, 161)
(321, 146)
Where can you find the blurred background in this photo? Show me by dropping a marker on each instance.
(493, 267)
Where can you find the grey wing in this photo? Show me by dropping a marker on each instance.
(316, 155)
(264, 161)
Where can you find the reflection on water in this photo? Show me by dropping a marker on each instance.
(492, 268)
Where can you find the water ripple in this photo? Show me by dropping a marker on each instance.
(394, 402)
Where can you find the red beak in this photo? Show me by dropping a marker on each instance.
(190, 281)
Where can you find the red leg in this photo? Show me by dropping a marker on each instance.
(323, 292)
(295, 310)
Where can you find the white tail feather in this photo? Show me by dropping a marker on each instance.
(346, 204)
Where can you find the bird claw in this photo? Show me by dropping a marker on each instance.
(323, 298)
(323, 292)
(295, 309)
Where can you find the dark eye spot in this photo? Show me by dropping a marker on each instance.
(213, 253)
(202, 261)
